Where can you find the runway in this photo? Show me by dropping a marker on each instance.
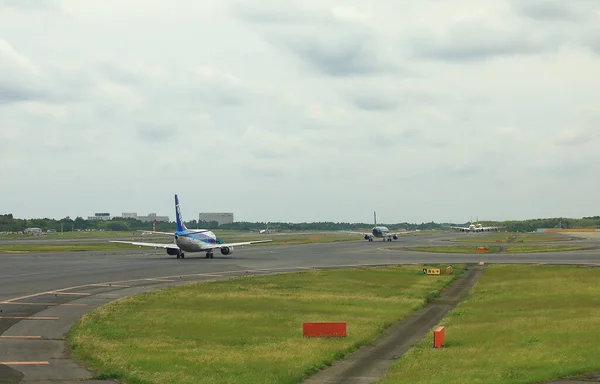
(59, 288)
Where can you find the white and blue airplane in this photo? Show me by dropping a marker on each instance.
(191, 240)
(379, 231)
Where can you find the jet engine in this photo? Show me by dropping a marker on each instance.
(172, 251)
(395, 237)
(226, 250)
(367, 237)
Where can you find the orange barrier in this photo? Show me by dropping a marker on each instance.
(315, 239)
(438, 337)
(324, 329)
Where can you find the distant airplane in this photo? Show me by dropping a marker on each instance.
(191, 240)
(477, 227)
(379, 231)
(262, 231)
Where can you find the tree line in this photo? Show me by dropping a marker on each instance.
(8, 223)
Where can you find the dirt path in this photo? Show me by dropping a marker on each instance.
(371, 362)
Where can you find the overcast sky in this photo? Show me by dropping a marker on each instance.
(307, 110)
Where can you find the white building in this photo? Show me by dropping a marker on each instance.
(149, 217)
(129, 215)
(100, 216)
(221, 218)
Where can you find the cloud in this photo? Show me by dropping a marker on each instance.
(477, 41)
(338, 56)
(556, 10)
(304, 101)
(374, 103)
(30, 5)
(332, 41)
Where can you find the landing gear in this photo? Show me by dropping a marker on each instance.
(180, 255)
(209, 255)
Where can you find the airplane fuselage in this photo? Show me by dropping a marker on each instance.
(380, 231)
(194, 242)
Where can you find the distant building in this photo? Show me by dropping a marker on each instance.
(100, 216)
(33, 231)
(129, 215)
(149, 217)
(152, 217)
(221, 218)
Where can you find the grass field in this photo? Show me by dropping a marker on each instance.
(71, 235)
(545, 248)
(496, 249)
(520, 324)
(455, 249)
(516, 238)
(106, 246)
(24, 248)
(118, 234)
(247, 330)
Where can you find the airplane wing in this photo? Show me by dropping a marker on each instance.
(157, 233)
(154, 245)
(404, 232)
(188, 232)
(216, 246)
(358, 233)
(463, 228)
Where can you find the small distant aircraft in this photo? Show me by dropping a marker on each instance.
(263, 231)
(379, 231)
(477, 227)
(191, 240)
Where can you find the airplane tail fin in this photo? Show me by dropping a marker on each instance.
(180, 226)
(374, 218)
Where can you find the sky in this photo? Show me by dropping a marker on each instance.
(294, 111)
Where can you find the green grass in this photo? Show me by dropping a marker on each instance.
(540, 237)
(24, 248)
(518, 238)
(105, 246)
(546, 248)
(454, 249)
(247, 330)
(484, 238)
(496, 249)
(71, 235)
(520, 324)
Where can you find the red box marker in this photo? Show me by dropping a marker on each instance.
(438, 337)
(324, 329)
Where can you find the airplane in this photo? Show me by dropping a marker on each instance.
(477, 227)
(263, 231)
(379, 232)
(191, 240)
